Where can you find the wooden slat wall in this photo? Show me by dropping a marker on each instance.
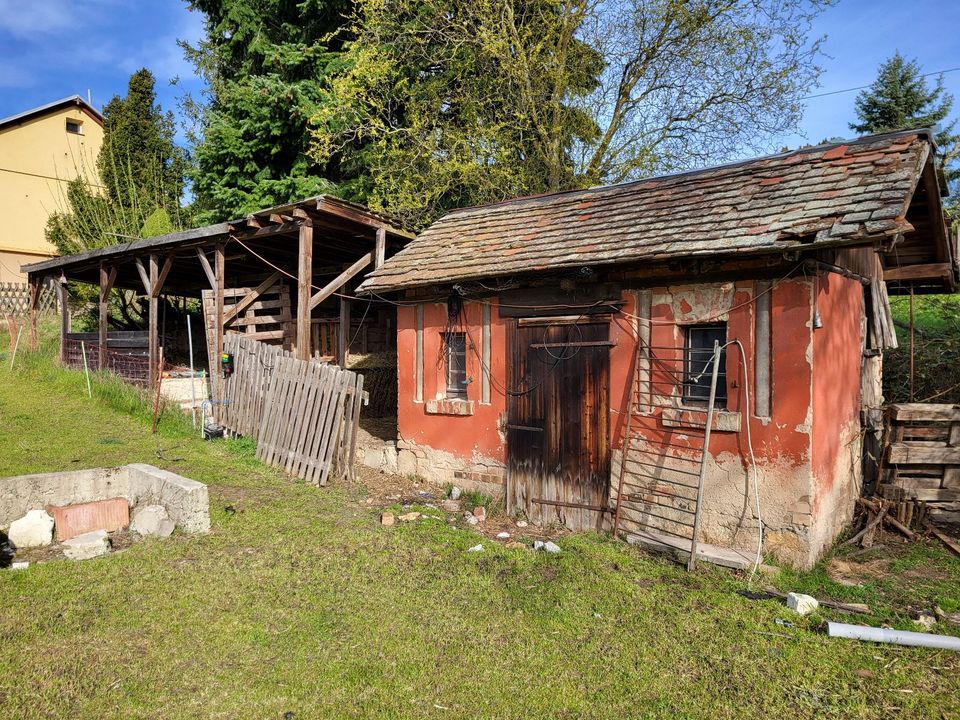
(304, 415)
(923, 456)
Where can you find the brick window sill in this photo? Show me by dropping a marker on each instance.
(449, 407)
(723, 420)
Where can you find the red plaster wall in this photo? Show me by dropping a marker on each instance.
(785, 436)
(464, 436)
(837, 353)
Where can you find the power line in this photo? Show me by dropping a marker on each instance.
(864, 87)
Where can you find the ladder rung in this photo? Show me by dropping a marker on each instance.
(668, 469)
(661, 517)
(630, 498)
(656, 479)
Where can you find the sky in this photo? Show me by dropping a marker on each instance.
(50, 49)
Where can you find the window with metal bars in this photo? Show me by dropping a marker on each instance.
(698, 364)
(456, 355)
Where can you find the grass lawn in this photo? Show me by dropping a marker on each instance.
(298, 604)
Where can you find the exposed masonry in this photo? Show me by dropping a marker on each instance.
(186, 500)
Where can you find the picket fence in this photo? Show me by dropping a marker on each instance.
(303, 414)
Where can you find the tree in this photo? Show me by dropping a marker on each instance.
(139, 164)
(457, 103)
(900, 98)
(265, 64)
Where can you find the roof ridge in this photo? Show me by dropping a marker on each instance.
(685, 174)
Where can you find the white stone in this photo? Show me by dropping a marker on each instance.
(521, 523)
(21, 565)
(476, 548)
(503, 536)
(455, 493)
(471, 520)
(547, 546)
(802, 604)
(926, 621)
(34, 529)
(152, 520)
(86, 546)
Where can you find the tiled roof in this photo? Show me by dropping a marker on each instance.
(835, 194)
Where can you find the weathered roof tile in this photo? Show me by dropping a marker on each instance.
(835, 194)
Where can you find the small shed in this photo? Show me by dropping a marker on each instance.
(560, 349)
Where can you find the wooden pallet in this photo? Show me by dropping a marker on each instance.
(922, 456)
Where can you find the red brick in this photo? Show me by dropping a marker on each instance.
(73, 520)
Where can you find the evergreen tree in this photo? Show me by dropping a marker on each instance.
(140, 166)
(900, 98)
(265, 64)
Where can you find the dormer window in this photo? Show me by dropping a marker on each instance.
(75, 127)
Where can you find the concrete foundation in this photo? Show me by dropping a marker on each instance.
(186, 500)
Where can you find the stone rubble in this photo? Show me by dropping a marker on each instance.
(86, 546)
(503, 536)
(546, 546)
(802, 604)
(408, 517)
(152, 520)
(476, 548)
(35, 529)
(455, 493)
(480, 513)
(387, 518)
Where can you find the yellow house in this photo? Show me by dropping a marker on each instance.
(40, 151)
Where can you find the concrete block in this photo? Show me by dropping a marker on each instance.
(35, 529)
(802, 604)
(186, 501)
(86, 546)
(152, 520)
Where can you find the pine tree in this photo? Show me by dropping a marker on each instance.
(900, 98)
(139, 163)
(265, 64)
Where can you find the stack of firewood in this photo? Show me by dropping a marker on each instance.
(908, 516)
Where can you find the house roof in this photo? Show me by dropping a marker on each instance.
(843, 193)
(262, 240)
(73, 100)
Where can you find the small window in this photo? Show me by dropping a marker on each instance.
(698, 364)
(456, 352)
(75, 127)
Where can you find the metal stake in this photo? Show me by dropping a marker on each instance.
(86, 368)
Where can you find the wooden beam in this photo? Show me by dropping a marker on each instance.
(902, 454)
(928, 271)
(36, 283)
(251, 296)
(340, 280)
(208, 271)
(330, 207)
(107, 277)
(380, 250)
(304, 286)
(925, 412)
(343, 338)
(153, 340)
(144, 278)
(219, 272)
(162, 276)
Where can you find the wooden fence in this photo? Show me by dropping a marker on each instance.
(304, 415)
(922, 457)
(15, 299)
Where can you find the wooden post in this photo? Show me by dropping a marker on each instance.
(153, 341)
(219, 272)
(380, 250)
(35, 285)
(107, 277)
(63, 296)
(343, 336)
(304, 286)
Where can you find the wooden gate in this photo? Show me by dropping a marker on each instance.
(558, 435)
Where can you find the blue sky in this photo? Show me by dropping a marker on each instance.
(53, 48)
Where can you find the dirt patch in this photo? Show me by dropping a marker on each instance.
(853, 574)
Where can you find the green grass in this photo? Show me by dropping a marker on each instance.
(298, 601)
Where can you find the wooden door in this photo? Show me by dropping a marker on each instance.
(558, 434)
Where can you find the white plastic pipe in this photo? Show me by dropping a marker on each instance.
(896, 637)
